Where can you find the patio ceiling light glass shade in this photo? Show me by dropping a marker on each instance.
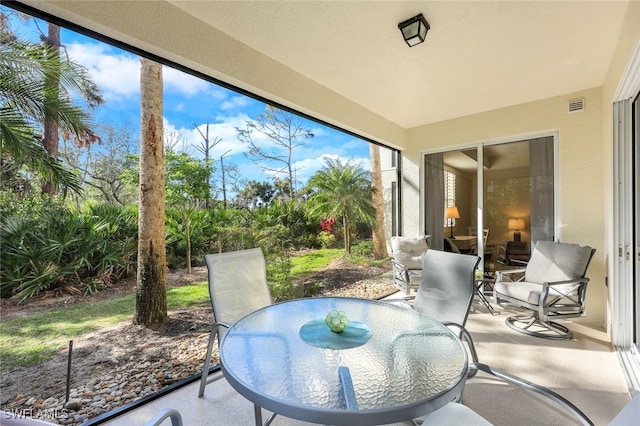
(414, 30)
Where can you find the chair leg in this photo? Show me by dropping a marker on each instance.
(551, 330)
(207, 361)
(518, 381)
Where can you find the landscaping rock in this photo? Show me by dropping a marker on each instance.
(121, 364)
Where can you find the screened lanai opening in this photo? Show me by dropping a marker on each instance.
(503, 194)
(218, 198)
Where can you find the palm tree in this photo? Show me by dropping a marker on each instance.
(342, 190)
(377, 199)
(25, 104)
(151, 291)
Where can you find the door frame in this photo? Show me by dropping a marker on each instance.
(625, 250)
(479, 146)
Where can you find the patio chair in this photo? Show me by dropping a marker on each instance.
(453, 413)
(161, 416)
(553, 287)
(237, 287)
(447, 287)
(407, 261)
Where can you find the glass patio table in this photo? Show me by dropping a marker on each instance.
(390, 364)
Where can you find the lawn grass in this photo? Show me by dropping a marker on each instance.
(30, 340)
(313, 261)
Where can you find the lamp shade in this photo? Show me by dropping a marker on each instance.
(516, 224)
(452, 213)
(414, 30)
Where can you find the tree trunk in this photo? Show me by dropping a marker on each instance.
(346, 234)
(187, 230)
(377, 199)
(52, 85)
(151, 290)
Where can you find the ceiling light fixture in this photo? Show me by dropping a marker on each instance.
(414, 30)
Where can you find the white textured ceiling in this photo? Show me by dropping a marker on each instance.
(478, 55)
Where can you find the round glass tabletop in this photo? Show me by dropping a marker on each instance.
(407, 366)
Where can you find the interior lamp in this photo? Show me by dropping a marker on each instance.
(414, 30)
(516, 225)
(452, 213)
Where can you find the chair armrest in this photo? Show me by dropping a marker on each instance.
(499, 274)
(167, 413)
(547, 286)
(518, 262)
(399, 266)
(577, 280)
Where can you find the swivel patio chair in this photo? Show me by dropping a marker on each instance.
(407, 261)
(553, 287)
(237, 287)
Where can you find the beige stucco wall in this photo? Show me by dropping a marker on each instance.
(581, 186)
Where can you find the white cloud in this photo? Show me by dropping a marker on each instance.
(310, 166)
(117, 75)
(235, 103)
(224, 129)
(183, 83)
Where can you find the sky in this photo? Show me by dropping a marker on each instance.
(190, 102)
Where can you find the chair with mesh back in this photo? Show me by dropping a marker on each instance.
(447, 287)
(237, 287)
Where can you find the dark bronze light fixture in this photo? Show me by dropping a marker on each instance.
(414, 30)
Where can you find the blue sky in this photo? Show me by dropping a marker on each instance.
(191, 102)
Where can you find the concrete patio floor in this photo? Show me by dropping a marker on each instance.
(585, 370)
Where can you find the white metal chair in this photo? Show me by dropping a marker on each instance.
(161, 416)
(458, 414)
(407, 261)
(451, 414)
(237, 287)
(553, 287)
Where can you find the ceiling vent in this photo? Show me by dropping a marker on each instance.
(576, 105)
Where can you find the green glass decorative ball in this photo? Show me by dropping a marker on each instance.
(337, 321)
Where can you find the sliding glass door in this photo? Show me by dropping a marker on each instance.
(503, 194)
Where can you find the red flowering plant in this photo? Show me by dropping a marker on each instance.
(327, 224)
(326, 237)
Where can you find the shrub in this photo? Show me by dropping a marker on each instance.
(64, 250)
(326, 239)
